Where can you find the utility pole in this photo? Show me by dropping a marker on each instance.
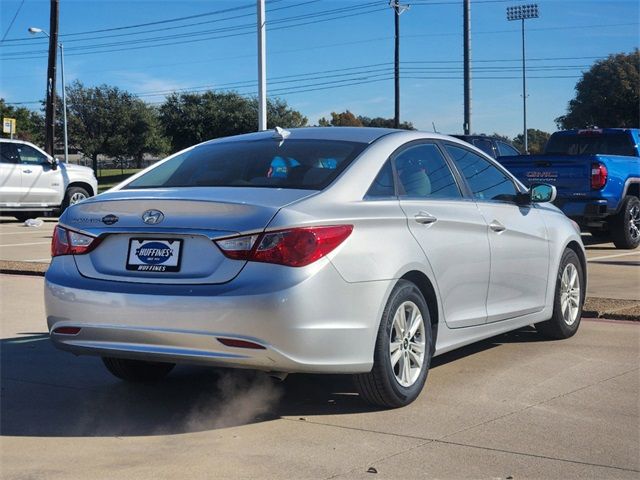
(467, 66)
(50, 109)
(398, 10)
(522, 13)
(262, 67)
(396, 68)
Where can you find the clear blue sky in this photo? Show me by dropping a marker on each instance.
(346, 45)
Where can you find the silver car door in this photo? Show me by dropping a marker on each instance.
(10, 175)
(450, 230)
(517, 235)
(41, 184)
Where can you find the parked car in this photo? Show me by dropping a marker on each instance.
(32, 182)
(597, 175)
(359, 251)
(493, 146)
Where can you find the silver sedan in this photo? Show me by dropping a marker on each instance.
(324, 250)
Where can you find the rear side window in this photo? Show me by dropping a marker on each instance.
(484, 145)
(591, 144)
(505, 149)
(487, 182)
(423, 172)
(303, 164)
(382, 186)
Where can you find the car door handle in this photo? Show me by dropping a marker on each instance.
(26, 171)
(496, 226)
(425, 218)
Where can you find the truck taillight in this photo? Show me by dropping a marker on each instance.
(295, 247)
(598, 176)
(68, 242)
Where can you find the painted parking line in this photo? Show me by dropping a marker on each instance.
(25, 232)
(29, 339)
(613, 256)
(24, 244)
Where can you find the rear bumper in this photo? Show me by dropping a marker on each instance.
(584, 210)
(307, 320)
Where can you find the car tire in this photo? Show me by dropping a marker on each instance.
(600, 233)
(625, 226)
(137, 371)
(23, 217)
(568, 299)
(72, 196)
(388, 384)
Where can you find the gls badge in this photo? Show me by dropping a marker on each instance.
(152, 217)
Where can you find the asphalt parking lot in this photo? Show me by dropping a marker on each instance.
(510, 407)
(613, 273)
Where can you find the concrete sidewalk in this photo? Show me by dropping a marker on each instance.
(514, 406)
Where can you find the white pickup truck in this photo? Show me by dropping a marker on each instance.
(32, 182)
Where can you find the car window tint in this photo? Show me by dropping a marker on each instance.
(8, 153)
(487, 182)
(423, 172)
(30, 156)
(484, 145)
(505, 149)
(304, 164)
(382, 186)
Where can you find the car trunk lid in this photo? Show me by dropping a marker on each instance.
(177, 247)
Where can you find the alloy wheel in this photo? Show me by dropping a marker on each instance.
(407, 342)
(77, 197)
(570, 294)
(634, 222)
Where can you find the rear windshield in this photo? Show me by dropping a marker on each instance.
(303, 164)
(593, 144)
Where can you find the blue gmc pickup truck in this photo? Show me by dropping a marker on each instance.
(597, 175)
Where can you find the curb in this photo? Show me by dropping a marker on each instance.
(594, 307)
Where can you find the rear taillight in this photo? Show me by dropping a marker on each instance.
(295, 247)
(598, 176)
(68, 242)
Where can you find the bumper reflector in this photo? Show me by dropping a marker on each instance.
(234, 342)
(67, 330)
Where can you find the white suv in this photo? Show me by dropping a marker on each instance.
(32, 182)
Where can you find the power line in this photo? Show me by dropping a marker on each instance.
(12, 20)
(164, 29)
(341, 15)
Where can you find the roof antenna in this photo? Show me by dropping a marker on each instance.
(281, 134)
(434, 127)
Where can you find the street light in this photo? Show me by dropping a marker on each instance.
(35, 31)
(522, 13)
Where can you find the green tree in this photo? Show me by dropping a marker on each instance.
(190, 118)
(29, 124)
(145, 133)
(98, 120)
(537, 139)
(342, 119)
(381, 122)
(608, 95)
(348, 119)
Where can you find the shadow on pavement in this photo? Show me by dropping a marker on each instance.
(46, 392)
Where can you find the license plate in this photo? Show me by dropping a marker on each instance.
(154, 255)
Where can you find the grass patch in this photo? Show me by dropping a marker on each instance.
(111, 177)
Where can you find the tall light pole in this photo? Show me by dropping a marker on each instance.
(398, 9)
(522, 13)
(35, 31)
(262, 67)
(466, 12)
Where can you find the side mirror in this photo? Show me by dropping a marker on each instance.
(54, 163)
(542, 193)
